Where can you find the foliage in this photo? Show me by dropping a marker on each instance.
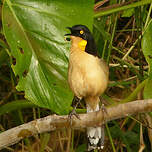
(15, 105)
(35, 34)
(32, 47)
(146, 46)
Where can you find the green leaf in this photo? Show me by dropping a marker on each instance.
(129, 138)
(100, 33)
(147, 50)
(128, 12)
(3, 57)
(132, 137)
(99, 24)
(81, 148)
(121, 8)
(44, 141)
(35, 30)
(15, 105)
(2, 44)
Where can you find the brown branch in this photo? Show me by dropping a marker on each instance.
(53, 122)
(99, 4)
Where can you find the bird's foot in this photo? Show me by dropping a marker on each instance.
(104, 111)
(73, 113)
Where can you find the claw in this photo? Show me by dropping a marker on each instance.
(104, 111)
(71, 114)
(103, 108)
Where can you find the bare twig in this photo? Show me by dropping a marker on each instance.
(96, 8)
(53, 122)
(99, 4)
(142, 144)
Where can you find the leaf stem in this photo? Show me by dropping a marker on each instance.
(117, 9)
(110, 45)
(110, 137)
(148, 16)
(133, 95)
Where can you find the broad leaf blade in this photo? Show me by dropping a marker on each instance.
(35, 32)
(147, 50)
(15, 105)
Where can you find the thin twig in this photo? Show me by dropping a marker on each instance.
(99, 4)
(112, 6)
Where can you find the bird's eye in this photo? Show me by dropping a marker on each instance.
(81, 32)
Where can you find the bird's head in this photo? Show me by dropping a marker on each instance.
(81, 36)
(80, 31)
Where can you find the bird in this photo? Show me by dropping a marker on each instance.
(88, 76)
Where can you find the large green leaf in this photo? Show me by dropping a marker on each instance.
(35, 30)
(147, 50)
(15, 105)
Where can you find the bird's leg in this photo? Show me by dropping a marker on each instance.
(73, 112)
(103, 108)
(104, 111)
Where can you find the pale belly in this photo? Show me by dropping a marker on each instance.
(87, 78)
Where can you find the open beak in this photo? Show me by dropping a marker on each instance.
(70, 31)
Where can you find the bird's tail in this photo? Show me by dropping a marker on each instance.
(95, 135)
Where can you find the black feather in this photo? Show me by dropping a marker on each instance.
(87, 35)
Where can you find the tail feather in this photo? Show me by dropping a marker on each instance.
(95, 134)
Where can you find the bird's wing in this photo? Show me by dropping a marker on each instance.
(105, 67)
